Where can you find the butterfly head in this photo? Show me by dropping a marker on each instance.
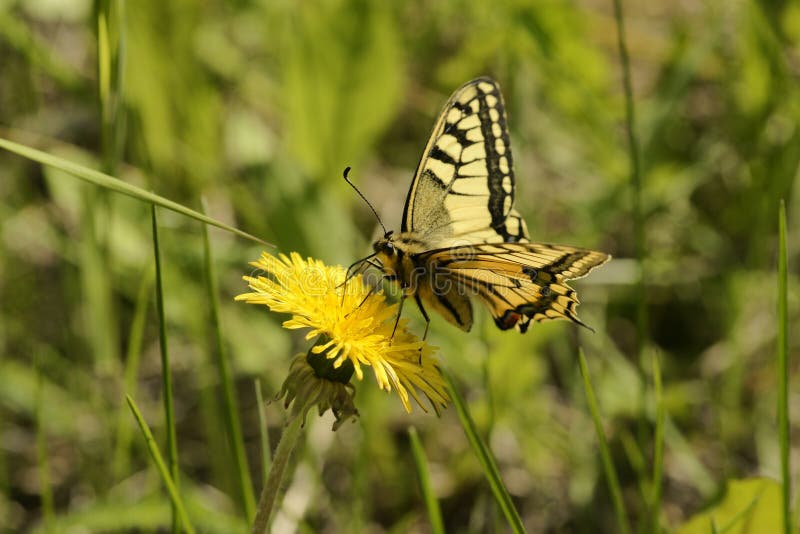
(389, 254)
(385, 246)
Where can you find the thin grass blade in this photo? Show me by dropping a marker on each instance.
(166, 373)
(110, 26)
(485, 457)
(114, 184)
(605, 453)
(132, 357)
(637, 216)
(636, 177)
(421, 463)
(232, 424)
(266, 452)
(172, 489)
(783, 370)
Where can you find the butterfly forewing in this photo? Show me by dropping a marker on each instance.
(463, 190)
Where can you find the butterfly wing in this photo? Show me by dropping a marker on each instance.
(519, 282)
(463, 190)
(460, 224)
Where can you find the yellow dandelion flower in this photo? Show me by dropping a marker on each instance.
(353, 325)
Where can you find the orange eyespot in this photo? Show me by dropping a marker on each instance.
(509, 319)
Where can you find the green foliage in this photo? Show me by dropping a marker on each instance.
(256, 107)
(749, 506)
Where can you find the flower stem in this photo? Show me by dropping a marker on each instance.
(286, 445)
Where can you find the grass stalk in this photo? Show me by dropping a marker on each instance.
(106, 181)
(166, 374)
(96, 284)
(485, 457)
(172, 488)
(110, 46)
(637, 215)
(421, 463)
(783, 371)
(97, 211)
(605, 453)
(266, 503)
(132, 357)
(231, 411)
(636, 177)
(266, 452)
(637, 462)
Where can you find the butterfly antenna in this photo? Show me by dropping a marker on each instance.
(346, 179)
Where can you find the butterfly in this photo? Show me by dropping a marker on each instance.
(461, 237)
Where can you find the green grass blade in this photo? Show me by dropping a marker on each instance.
(636, 214)
(634, 156)
(636, 177)
(636, 460)
(103, 57)
(95, 286)
(485, 457)
(783, 370)
(431, 504)
(266, 452)
(658, 448)
(114, 184)
(172, 489)
(166, 373)
(605, 453)
(232, 424)
(132, 357)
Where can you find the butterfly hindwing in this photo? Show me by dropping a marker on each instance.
(519, 282)
(449, 300)
(463, 190)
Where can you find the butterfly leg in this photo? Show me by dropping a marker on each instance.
(424, 315)
(399, 313)
(368, 295)
(355, 267)
(427, 323)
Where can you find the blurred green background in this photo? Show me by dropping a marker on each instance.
(257, 106)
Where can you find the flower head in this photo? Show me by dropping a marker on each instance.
(353, 325)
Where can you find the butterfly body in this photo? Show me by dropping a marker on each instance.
(404, 261)
(461, 237)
